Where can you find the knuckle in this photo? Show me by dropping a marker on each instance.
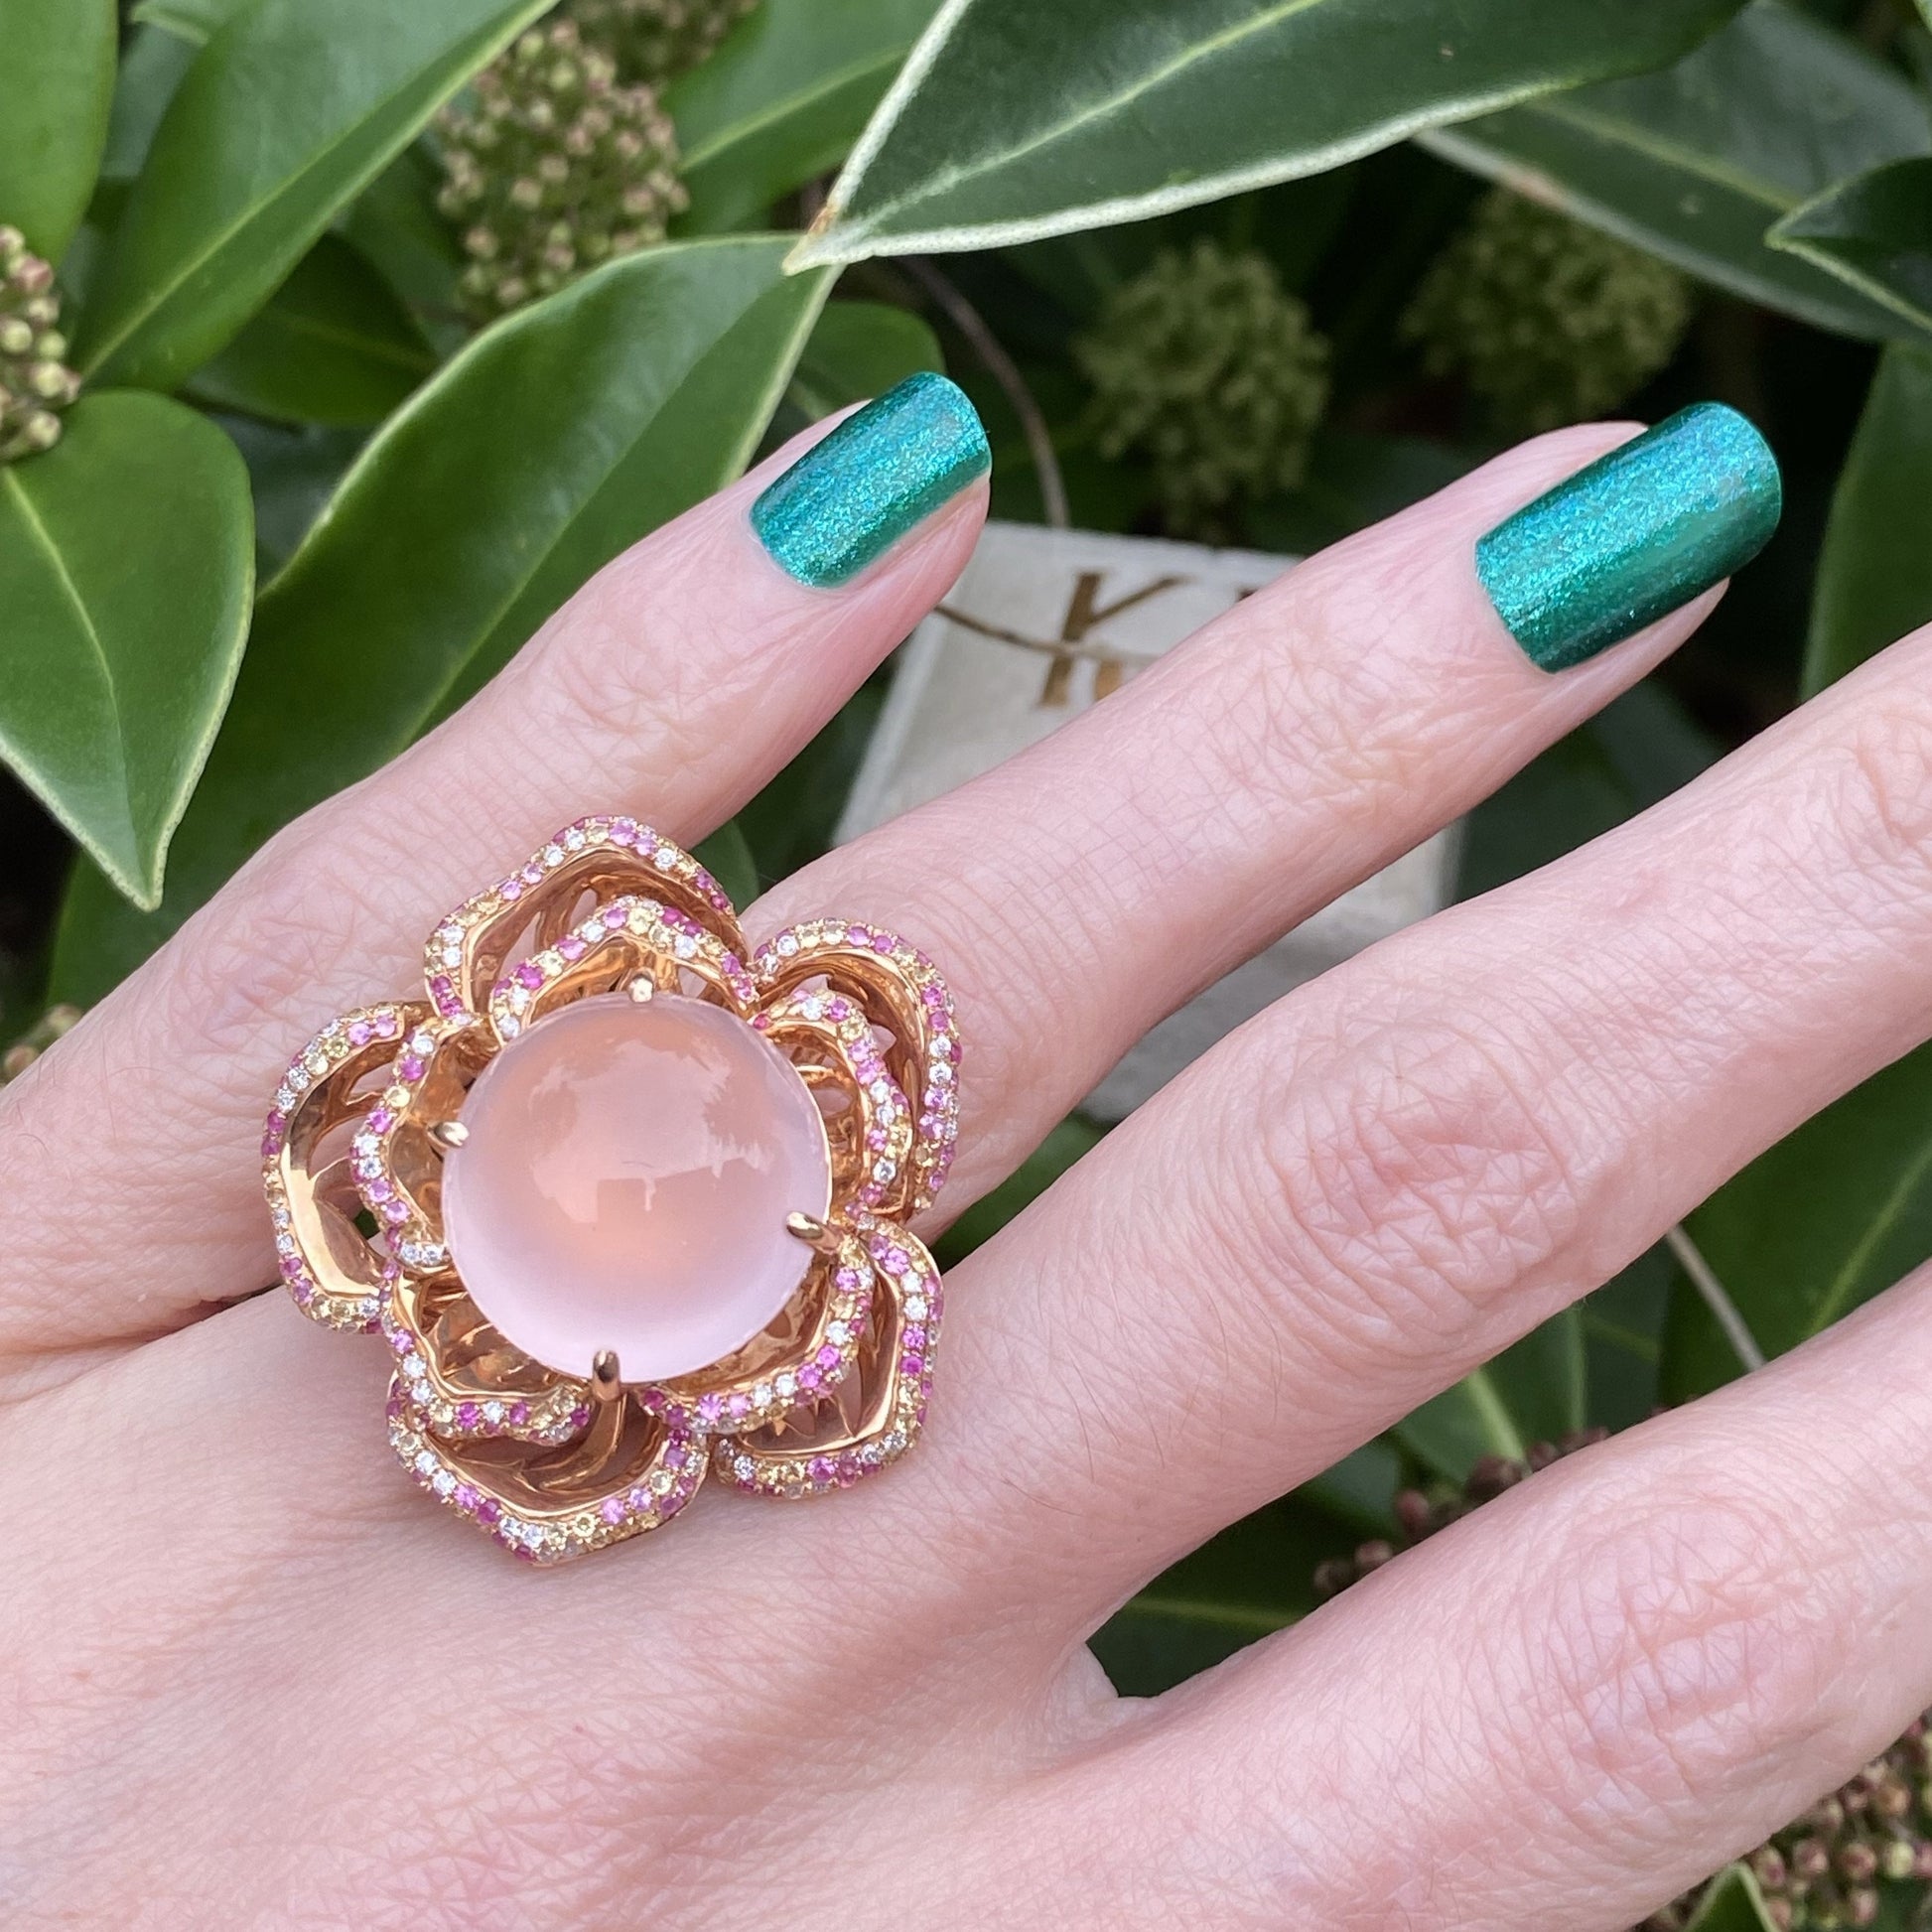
(1395, 1187)
(1681, 1639)
(1884, 773)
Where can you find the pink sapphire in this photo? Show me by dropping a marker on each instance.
(529, 975)
(360, 1033)
(625, 1185)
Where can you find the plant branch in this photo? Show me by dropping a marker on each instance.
(1705, 1280)
(1002, 370)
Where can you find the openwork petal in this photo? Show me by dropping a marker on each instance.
(336, 1274)
(905, 1000)
(595, 859)
(805, 1355)
(622, 939)
(461, 1379)
(876, 1414)
(627, 1473)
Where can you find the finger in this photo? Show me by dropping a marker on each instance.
(674, 684)
(1592, 1693)
(1087, 887)
(1406, 1165)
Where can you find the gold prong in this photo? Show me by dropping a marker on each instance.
(449, 1135)
(642, 991)
(606, 1383)
(809, 1229)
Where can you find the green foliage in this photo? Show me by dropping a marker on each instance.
(57, 80)
(111, 694)
(282, 120)
(1549, 321)
(1697, 160)
(1875, 233)
(1205, 366)
(553, 167)
(1208, 355)
(783, 99)
(655, 41)
(1110, 110)
(35, 383)
(1874, 578)
(627, 398)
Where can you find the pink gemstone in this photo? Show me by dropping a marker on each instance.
(360, 1033)
(467, 1414)
(487, 1510)
(529, 975)
(381, 1119)
(625, 1185)
(466, 1497)
(520, 1414)
(611, 1509)
(410, 1067)
(387, 1026)
(570, 946)
(823, 1469)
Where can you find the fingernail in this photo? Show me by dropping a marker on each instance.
(854, 493)
(1633, 537)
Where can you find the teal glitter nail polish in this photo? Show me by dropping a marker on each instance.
(851, 496)
(1637, 533)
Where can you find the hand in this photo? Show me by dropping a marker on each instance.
(254, 1678)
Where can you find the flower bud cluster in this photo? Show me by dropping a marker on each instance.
(1546, 320)
(551, 168)
(54, 1022)
(1422, 1516)
(1852, 1856)
(1204, 366)
(1827, 1871)
(36, 384)
(653, 41)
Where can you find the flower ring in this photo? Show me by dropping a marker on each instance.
(625, 1205)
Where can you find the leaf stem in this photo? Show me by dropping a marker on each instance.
(1005, 371)
(1704, 1279)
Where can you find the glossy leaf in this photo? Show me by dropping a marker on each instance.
(126, 565)
(1732, 1904)
(1831, 1216)
(285, 116)
(1875, 233)
(333, 347)
(1251, 1581)
(154, 62)
(56, 84)
(1697, 162)
(555, 439)
(1012, 120)
(782, 100)
(1874, 576)
(1532, 1392)
(858, 351)
(196, 21)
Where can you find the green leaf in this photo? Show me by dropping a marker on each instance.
(550, 444)
(286, 116)
(154, 62)
(1874, 576)
(1251, 1581)
(126, 564)
(1875, 233)
(56, 84)
(858, 351)
(333, 346)
(1732, 1904)
(1831, 1216)
(782, 100)
(196, 21)
(1013, 120)
(1532, 1392)
(1697, 162)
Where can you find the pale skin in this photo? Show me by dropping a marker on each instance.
(254, 1678)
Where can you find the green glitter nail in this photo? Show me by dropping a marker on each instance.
(849, 497)
(1633, 537)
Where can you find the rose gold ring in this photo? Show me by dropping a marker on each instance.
(625, 1203)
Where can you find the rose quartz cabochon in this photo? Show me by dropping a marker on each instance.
(625, 1185)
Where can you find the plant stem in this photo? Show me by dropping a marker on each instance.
(1002, 370)
(1705, 1280)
